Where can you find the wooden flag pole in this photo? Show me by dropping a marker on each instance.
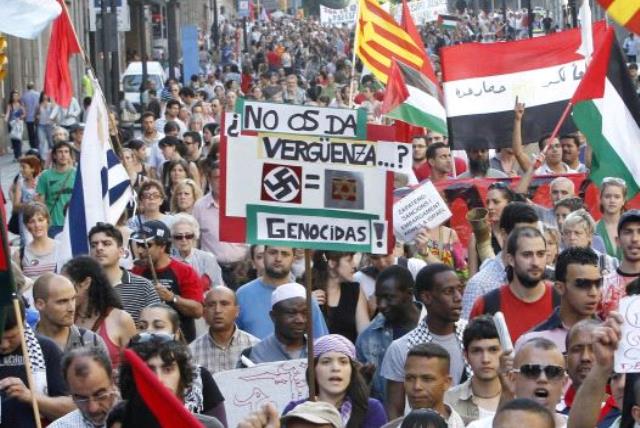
(308, 286)
(353, 59)
(27, 361)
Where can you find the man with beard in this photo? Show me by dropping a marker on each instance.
(254, 298)
(479, 165)
(527, 299)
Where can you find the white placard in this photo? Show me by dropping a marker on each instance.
(423, 207)
(337, 17)
(245, 390)
(627, 356)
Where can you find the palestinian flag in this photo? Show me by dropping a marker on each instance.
(481, 82)
(607, 111)
(412, 98)
(7, 283)
(448, 22)
(624, 12)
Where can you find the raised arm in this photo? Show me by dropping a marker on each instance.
(516, 138)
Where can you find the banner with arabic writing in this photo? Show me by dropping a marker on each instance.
(482, 81)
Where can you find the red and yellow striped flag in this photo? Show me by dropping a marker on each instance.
(624, 12)
(380, 38)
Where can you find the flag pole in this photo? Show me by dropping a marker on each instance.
(554, 134)
(353, 55)
(308, 285)
(27, 361)
(16, 307)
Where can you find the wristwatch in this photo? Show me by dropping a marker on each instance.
(175, 299)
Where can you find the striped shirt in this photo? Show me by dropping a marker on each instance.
(34, 265)
(136, 293)
(216, 358)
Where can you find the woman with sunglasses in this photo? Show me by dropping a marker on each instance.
(613, 195)
(185, 232)
(339, 382)
(171, 361)
(98, 305)
(578, 231)
(204, 396)
(499, 195)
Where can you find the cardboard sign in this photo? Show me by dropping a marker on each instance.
(300, 120)
(320, 187)
(627, 356)
(246, 390)
(423, 207)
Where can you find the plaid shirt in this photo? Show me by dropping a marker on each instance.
(216, 358)
(74, 419)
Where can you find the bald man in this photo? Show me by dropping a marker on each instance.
(539, 374)
(219, 349)
(54, 297)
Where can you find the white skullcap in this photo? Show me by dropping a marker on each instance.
(287, 291)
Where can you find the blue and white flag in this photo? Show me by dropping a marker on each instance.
(102, 188)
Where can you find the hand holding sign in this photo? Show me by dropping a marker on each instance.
(423, 207)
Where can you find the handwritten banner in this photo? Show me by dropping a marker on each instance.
(627, 356)
(421, 10)
(246, 390)
(423, 207)
(337, 17)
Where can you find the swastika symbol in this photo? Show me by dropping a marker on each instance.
(282, 184)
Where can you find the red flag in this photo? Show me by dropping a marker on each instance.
(167, 409)
(63, 44)
(396, 91)
(408, 26)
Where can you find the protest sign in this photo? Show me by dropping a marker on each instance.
(337, 17)
(246, 390)
(300, 120)
(421, 10)
(423, 207)
(318, 185)
(627, 356)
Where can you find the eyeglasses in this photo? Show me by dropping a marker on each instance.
(99, 398)
(151, 196)
(144, 244)
(149, 337)
(587, 284)
(188, 236)
(533, 371)
(615, 180)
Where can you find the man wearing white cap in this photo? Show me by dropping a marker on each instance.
(289, 316)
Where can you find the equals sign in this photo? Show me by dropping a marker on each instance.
(311, 177)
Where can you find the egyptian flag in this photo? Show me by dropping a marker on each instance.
(482, 81)
(607, 111)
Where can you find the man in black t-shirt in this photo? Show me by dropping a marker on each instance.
(15, 395)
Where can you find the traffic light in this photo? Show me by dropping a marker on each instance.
(4, 59)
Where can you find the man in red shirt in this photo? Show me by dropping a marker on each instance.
(527, 299)
(178, 284)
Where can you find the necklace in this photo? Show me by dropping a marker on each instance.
(488, 397)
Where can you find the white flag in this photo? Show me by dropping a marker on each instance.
(27, 18)
(586, 31)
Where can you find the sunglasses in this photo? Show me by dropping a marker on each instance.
(533, 371)
(499, 185)
(187, 236)
(587, 284)
(155, 337)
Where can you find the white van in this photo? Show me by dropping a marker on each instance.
(132, 78)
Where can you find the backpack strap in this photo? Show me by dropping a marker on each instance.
(492, 301)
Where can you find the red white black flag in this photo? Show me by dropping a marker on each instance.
(481, 83)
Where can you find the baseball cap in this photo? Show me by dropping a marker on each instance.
(152, 230)
(630, 216)
(317, 412)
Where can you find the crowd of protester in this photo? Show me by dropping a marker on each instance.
(406, 339)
